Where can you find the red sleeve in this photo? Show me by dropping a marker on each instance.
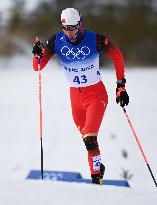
(118, 60)
(43, 61)
(104, 45)
(49, 51)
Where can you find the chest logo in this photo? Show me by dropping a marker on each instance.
(75, 53)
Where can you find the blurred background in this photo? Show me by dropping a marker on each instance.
(130, 24)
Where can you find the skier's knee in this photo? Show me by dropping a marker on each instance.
(90, 142)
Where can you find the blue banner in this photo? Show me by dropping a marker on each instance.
(71, 177)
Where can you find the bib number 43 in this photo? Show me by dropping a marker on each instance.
(81, 79)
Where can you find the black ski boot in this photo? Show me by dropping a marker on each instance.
(98, 178)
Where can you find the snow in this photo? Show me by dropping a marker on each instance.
(63, 146)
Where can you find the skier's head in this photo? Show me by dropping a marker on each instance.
(72, 24)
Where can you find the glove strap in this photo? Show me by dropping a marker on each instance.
(123, 81)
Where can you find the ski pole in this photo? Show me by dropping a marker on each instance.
(40, 109)
(139, 145)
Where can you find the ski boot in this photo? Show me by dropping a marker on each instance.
(98, 178)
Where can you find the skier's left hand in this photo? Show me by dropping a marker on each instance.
(121, 94)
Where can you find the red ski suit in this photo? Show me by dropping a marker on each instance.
(88, 103)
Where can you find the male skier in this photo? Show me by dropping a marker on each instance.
(78, 50)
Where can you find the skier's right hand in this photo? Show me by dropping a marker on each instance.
(38, 49)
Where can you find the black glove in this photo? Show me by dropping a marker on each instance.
(38, 49)
(121, 94)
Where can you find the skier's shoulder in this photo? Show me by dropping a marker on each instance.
(102, 37)
(98, 36)
(103, 42)
(51, 40)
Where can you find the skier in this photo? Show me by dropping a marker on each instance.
(78, 50)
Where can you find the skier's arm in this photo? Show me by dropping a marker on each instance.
(104, 45)
(46, 54)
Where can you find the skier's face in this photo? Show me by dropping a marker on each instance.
(70, 32)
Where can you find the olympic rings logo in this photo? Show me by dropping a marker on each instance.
(73, 53)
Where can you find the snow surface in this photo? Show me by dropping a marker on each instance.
(63, 147)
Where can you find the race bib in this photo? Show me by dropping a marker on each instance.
(82, 75)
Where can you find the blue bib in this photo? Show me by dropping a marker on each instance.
(81, 62)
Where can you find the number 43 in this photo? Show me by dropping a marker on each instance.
(82, 79)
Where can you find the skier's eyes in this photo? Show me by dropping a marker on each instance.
(69, 28)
